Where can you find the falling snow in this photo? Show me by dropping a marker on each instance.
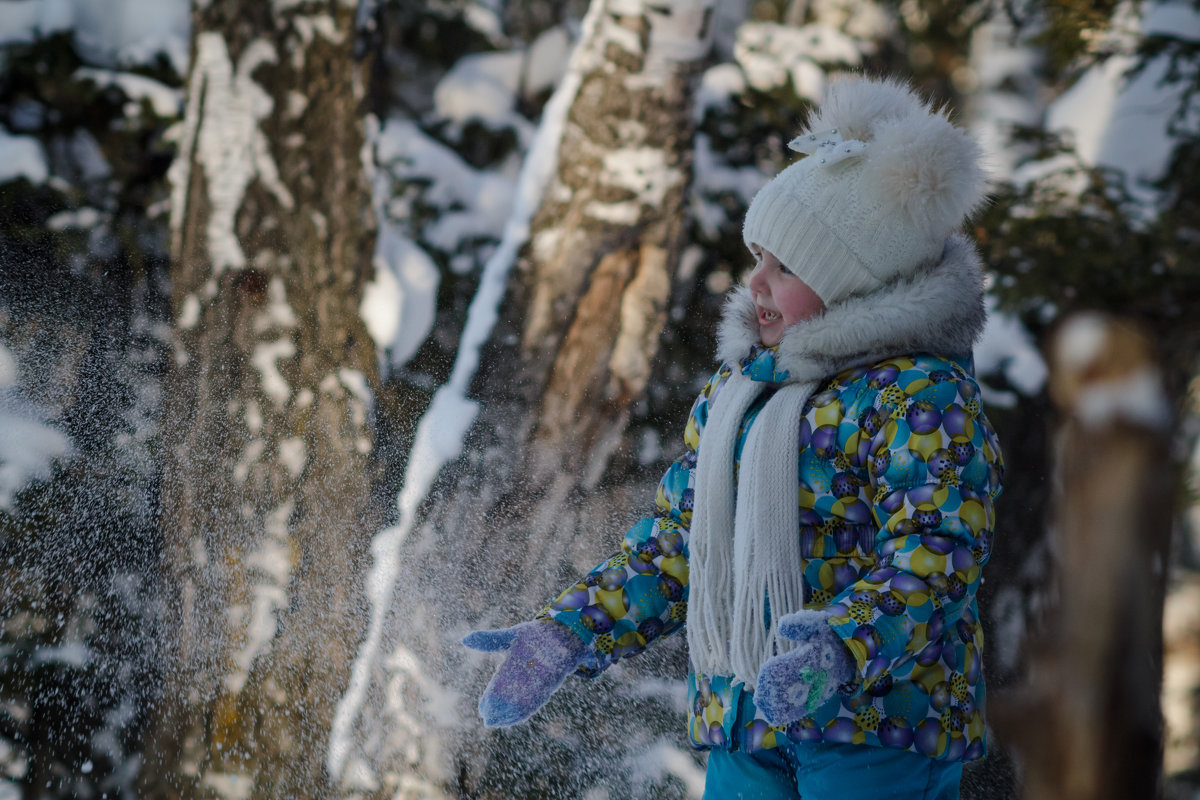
(441, 430)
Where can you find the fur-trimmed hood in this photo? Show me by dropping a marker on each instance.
(936, 310)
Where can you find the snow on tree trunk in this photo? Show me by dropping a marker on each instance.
(266, 501)
(570, 355)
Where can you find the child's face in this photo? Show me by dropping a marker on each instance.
(781, 299)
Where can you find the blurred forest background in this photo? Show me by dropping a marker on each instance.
(331, 330)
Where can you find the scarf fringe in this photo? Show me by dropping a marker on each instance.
(711, 562)
(766, 544)
(731, 577)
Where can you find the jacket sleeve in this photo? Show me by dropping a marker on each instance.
(640, 594)
(934, 470)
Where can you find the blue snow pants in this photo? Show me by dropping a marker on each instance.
(827, 771)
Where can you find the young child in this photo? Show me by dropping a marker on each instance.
(822, 536)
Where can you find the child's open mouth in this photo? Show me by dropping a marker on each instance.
(766, 317)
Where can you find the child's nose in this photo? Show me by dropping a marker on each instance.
(758, 283)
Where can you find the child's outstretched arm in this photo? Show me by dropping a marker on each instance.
(616, 610)
(639, 595)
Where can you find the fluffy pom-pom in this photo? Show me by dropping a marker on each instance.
(856, 106)
(923, 167)
(917, 163)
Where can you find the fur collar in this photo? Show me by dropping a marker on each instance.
(938, 310)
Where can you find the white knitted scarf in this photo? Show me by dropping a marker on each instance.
(745, 545)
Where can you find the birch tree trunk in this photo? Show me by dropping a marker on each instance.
(571, 354)
(266, 500)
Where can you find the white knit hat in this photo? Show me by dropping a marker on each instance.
(886, 181)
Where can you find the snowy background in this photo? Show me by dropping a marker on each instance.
(462, 149)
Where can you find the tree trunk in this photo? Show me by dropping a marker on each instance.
(266, 503)
(1088, 724)
(528, 504)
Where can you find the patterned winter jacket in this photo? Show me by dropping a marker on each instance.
(898, 471)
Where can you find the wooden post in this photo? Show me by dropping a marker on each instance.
(1088, 722)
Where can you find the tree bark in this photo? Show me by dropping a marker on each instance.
(266, 501)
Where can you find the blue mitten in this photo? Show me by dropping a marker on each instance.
(540, 656)
(794, 684)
